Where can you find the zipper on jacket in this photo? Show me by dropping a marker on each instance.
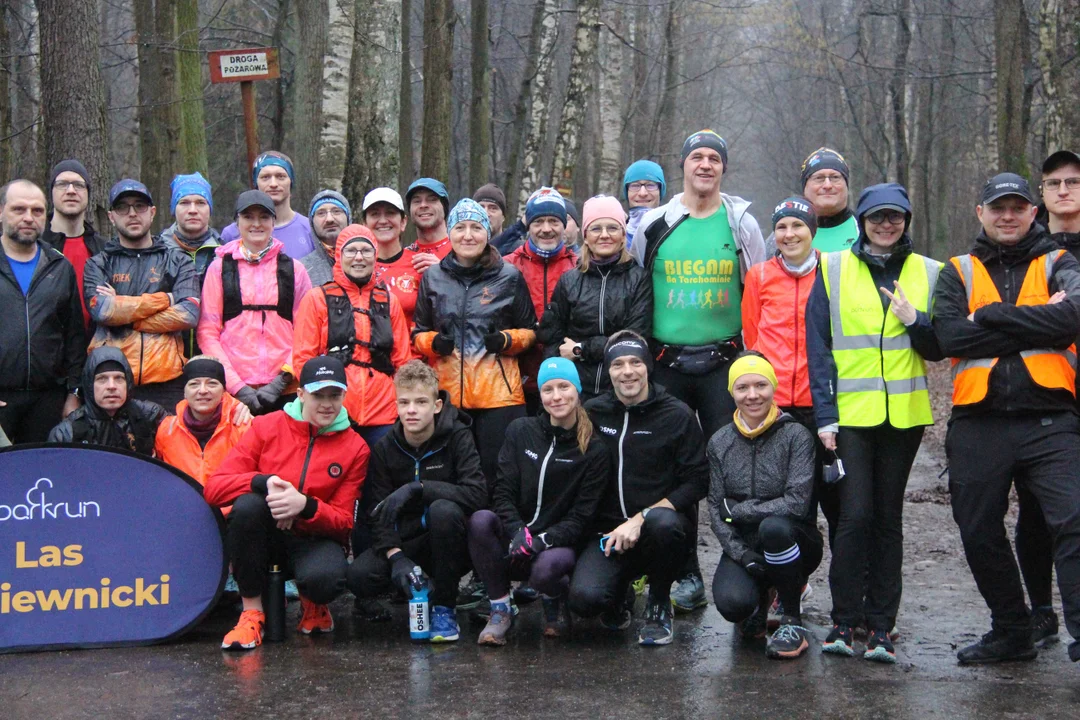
(795, 374)
(540, 486)
(603, 289)
(622, 436)
(461, 375)
(753, 468)
(307, 459)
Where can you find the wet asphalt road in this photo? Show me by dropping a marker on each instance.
(372, 670)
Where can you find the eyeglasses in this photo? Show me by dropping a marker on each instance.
(65, 184)
(326, 211)
(596, 231)
(639, 186)
(350, 253)
(1054, 184)
(834, 178)
(893, 217)
(126, 208)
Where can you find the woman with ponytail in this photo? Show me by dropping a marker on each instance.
(552, 473)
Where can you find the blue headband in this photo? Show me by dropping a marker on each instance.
(265, 160)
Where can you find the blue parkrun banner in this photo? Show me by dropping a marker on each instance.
(102, 548)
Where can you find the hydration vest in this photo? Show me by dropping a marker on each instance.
(341, 340)
(232, 302)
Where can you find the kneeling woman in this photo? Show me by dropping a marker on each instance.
(761, 469)
(552, 474)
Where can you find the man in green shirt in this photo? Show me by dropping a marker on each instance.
(825, 184)
(698, 248)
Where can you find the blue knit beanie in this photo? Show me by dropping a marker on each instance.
(643, 170)
(558, 368)
(469, 209)
(545, 202)
(193, 184)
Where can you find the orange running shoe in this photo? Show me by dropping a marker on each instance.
(314, 618)
(248, 633)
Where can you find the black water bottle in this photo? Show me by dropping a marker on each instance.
(274, 603)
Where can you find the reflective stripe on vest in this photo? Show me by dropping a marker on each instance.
(880, 377)
(1049, 368)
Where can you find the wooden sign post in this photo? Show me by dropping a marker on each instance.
(245, 66)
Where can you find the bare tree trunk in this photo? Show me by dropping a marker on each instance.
(898, 91)
(6, 62)
(579, 86)
(610, 107)
(1012, 55)
(71, 87)
(159, 126)
(539, 104)
(371, 159)
(438, 84)
(521, 107)
(277, 39)
(189, 72)
(640, 144)
(305, 132)
(1059, 41)
(665, 111)
(407, 166)
(480, 110)
(335, 99)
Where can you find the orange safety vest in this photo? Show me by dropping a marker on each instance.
(1049, 368)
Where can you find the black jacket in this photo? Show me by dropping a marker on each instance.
(1003, 329)
(755, 478)
(133, 427)
(511, 238)
(95, 243)
(819, 357)
(658, 452)
(447, 464)
(42, 338)
(591, 306)
(545, 482)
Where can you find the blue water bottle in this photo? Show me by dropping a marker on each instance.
(419, 611)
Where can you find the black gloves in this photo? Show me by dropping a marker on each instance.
(754, 563)
(443, 343)
(400, 568)
(526, 545)
(497, 341)
(386, 512)
(249, 397)
(271, 392)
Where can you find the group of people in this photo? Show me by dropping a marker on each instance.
(549, 402)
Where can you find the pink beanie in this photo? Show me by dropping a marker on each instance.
(602, 206)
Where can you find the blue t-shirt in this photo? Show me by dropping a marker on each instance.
(24, 271)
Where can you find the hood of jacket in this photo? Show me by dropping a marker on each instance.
(447, 421)
(114, 247)
(211, 239)
(98, 357)
(873, 197)
(344, 281)
(295, 410)
(1035, 243)
(233, 248)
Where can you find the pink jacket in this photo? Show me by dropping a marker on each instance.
(256, 344)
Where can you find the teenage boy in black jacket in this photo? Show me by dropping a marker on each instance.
(424, 480)
(645, 516)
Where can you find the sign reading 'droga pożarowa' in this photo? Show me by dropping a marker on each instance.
(244, 65)
(102, 548)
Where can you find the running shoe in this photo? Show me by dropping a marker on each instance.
(689, 594)
(879, 648)
(840, 641)
(776, 611)
(494, 633)
(483, 610)
(523, 595)
(248, 633)
(657, 627)
(1044, 626)
(556, 617)
(620, 616)
(474, 593)
(372, 610)
(444, 627)
(314, 618)
(996, 646)
(789, 641)
(639, 585)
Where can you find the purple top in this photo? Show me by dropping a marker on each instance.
(294, 235)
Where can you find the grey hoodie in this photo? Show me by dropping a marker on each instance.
(744, 228)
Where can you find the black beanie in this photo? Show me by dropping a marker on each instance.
(68, 166)
(109, 366)
(824, 159)
(704, 138)
(796, 207)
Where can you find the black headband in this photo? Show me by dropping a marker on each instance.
(628, 346)
(204, 368)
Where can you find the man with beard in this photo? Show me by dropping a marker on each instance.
(428, 204)
(142, 293)
(329, 213)
(41, 358)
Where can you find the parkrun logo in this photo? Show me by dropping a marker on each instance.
(37, 507)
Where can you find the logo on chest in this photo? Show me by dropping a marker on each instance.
(334, 470)
(531, 454)
(608, 431)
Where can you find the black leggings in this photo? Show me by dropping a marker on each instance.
(826, 495)
(489, 430)
(868, 548)
(792, 552)
(254, 544)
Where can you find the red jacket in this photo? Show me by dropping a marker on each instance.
(774, 324)
(329, 466)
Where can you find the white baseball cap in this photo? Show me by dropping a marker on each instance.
(386, 195)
